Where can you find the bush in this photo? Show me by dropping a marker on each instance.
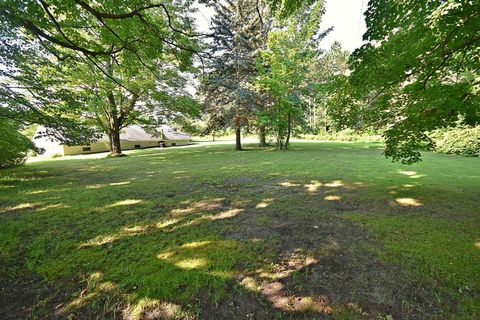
(462, 140)
(345, 135)
(14, 146)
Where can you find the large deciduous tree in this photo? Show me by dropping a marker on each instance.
(68, 60)
(419, 69)
(289, 71)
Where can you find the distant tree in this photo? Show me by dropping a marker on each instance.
(327, 74)
(239, 30)
(419, 69)
(285, 8)
(287, 71)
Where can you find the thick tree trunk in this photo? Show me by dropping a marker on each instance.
(114, 122)
(238, 138)
(114, 137)
(262, 140)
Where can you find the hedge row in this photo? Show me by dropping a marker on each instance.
(462, 140)
(344, 135)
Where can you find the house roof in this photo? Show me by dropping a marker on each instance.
(137, 133)
(172, 134)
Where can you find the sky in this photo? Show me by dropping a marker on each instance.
(346, 17)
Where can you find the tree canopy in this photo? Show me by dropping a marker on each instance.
(418, 70)
(239, 28)
(109, 61)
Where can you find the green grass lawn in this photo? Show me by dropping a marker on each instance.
(326, 230)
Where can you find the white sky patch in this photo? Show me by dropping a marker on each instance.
(348, 21)
(346, 17)
(203, 17)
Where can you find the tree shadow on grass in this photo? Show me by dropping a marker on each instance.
(211, 260)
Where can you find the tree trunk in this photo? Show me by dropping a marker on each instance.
(279, 139)
(114, 137)
(289, 130)
(262, 140)
(238, 138)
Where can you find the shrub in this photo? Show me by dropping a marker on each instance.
(462, 140)
(345, 135)
(14, 146)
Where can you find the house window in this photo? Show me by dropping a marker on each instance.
(173, 144)
(137, 146)
(86, 149)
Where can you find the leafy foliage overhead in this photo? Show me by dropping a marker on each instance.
(419, 69)
(111, 61)
(13, 145)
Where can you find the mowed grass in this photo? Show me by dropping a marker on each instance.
(326, 230)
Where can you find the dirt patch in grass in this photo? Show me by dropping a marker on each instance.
(30, 297)
(17, 297)
(239, 181)
(322, 265)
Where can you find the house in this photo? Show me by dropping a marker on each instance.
(131, 137)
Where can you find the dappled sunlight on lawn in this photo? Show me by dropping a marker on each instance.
(313, 186)
(148, 308)
(264, 203)
(224, 215)
(333, 198)
(21, 206)
(201, 205)
(408, 202)
(53, 206)
(190, 263)
(122, 183)
(37, 192)
(208, 255)
(335, 184)
(411, 174)
(95, 186)
(97, 289)
(268, 283)
(288, 184)
(166, 223)
(274, 292)
(100, 241)
(127, 202)
(210, 217)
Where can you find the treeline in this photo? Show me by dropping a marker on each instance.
(269, 74)
(417, 73)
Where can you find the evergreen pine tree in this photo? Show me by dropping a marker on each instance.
(239, 32)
